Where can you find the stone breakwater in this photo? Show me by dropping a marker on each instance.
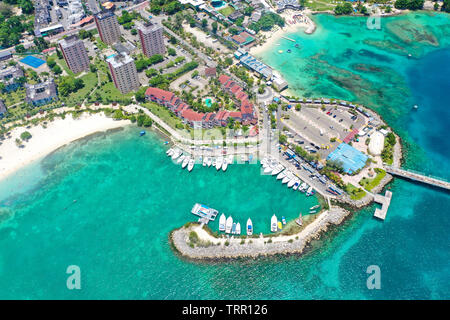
(207, 246)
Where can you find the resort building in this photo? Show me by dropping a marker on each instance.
(210, 72)
(196, 119)
(123, 72)
(5, 55)
(152, 40)
(74, 53)
(243, 39)
(41, 93)
(2, 109)
(247, 112)
(108, 27)
(253, 64)
(10, 77)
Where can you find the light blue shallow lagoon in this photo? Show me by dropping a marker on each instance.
(129, 196)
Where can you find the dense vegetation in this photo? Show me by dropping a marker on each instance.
(143, 63)
(69, 84)
(388, 151)
(11, 27)
(168, 6)
(267, 21)
(409, 4)
(345, 8)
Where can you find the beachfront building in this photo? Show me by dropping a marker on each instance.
(74, 54)
(243, 38)
(41, 93)
(10, 77)
(2, 109)
(5, 55)
(123, 72)
(152, 40)
(253, 64)
(108, 27)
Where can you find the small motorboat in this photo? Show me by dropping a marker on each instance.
(228, 224)
(204, 161)
(222, 222)
(297, 45)
(219, 162)
(283, 219)
(274, 224)
(208, 161)
(288, 50)
(213, 162)
(225, 164)
(238, 228)
(299, 221)
(315, 207)
(176, 154)
(181, 158)
(233, 228)
(191, 164)
(281, 175)
(141, 133)
(291, 183)
(296, 184)
(170, 152)
(185, 162)
(249, 227)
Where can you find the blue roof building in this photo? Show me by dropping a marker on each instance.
(352, 160)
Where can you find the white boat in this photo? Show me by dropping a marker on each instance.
(191, 164)
(264, 162)
(281, 175)
(315, 207)
(213, 162)
(291, 183)
(303, 187)
(238, 228)
(230, 159)
(205, 161)
(309, 192)
(208, 161)
(249, 227)
(274, 224)
(222, 222)
(185, 162)
(181, 158)
(277, 169)
(170, 152)
(287, 178)
(296, 184)
(269, 168)
(228, 224)
(219, 162)
(176, 154)
(225, 164)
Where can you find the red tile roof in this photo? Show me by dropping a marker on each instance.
(236, 114)
(209, 72)
(223, 79)
(235, 89)
(191, 115)
(159, 94)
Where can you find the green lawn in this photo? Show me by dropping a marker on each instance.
(320, 5)
(369, 184)
(354, 192)
(226, 11)
(90, 81)
(13, 97)
(164, 114)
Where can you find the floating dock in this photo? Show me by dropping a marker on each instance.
(288, 38)
(385, 201)
(205, 213)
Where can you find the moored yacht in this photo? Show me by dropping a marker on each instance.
(281, 175)
(170, 152)
(191, 164)
(238, 228)
(249, 227)
(222, 222)
(219, 162)
(233, 228)
(310, 191)
(291, 183)
(296, 184)
(208, 161)
(185, 162)
(228, 224)
(205, 160)
(213, 162)
(176, 154)
(277, 169)
(181, 158)
(287, 178)
(225, 164)
(274, 224)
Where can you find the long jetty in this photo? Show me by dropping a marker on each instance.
(416, 176)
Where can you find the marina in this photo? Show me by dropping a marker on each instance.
(205, 213)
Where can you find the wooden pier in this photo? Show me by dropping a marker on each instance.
(416, 176)
(385, 201)
(288, 38)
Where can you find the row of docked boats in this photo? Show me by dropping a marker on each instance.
(273, 167)
(228, 226)
(218, 163)
(275, 224)
(185, 159)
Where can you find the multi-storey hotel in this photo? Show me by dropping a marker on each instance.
(152, 40)
(123, 72)
(74, 53)
(108, 27)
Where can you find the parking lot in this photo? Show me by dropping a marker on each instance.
(198, 82)
(314, 129)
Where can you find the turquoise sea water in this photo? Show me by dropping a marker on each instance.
(129, 196)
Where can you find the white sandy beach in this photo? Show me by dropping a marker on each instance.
(272, 37)
(57, 134)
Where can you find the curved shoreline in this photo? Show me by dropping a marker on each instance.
(49, 138)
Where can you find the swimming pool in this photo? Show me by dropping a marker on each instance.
(208, 102)
(217, 4)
